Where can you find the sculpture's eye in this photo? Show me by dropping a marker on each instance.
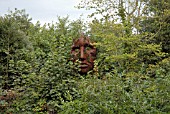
(76, 49)
(88, 47)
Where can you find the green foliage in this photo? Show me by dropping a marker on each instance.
(14, 50)
(131, 72)
(45, 76)
(158, 24)
(116, 95)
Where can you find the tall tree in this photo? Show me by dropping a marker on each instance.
(156, 21)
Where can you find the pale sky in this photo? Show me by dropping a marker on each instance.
(45, 11)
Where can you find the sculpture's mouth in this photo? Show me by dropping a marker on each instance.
(83, 66)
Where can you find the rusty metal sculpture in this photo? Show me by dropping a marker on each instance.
(84, 51)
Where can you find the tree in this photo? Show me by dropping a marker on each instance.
(14, 48)
(156, 22)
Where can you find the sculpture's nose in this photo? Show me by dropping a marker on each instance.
(82, 54)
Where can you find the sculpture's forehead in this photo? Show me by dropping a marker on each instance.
(82, 41)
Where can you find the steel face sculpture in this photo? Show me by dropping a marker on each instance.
(84, 51)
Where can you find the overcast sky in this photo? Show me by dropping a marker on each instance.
(45, 11)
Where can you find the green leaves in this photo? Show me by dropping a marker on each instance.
(130, 75)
